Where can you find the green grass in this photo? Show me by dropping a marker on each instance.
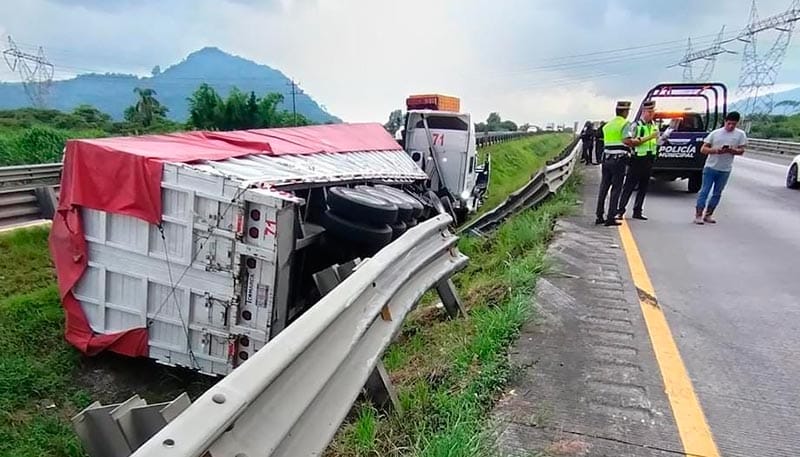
(25, 261)
(37, 395)
(514, 163)
(449, 372)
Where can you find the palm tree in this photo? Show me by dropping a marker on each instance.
(147, 107)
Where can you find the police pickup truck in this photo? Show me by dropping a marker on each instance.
(679, 155)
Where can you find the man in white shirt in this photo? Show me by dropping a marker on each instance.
(721, 146)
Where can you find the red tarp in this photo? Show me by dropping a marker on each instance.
(123, 176)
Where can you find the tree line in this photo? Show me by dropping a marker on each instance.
(30, 135)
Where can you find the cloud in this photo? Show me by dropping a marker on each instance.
(533, 61)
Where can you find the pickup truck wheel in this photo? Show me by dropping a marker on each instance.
(356, 232)
(791, 177)
(405, 210)
(695, 182)
(360, 205)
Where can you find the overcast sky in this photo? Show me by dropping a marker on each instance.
(533, 61)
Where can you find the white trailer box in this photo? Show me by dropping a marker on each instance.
(211, 283)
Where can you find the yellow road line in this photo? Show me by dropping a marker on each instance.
(689, 418)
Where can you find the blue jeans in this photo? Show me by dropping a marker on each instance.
(717, 179)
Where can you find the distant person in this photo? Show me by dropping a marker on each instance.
(721, 146)
(615, 156)
(587, 141)
(598, 144)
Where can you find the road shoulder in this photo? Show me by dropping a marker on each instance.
(588, 382)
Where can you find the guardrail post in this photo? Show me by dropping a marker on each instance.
(449, 295)
(378, 388)
(46, 198)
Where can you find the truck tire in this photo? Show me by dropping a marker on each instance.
(695, 182)
(405, 210)
(360, 205)
(398, 229)
(356, 232)
(791, 177)
(447, 204)
(416, 205)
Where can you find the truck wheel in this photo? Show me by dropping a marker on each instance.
(447, 204)
(695, 182)
(398, 229)
(791, 177)
(355, 232)
(404, 209)
(416, 205)
(358, 204)
(461, 215)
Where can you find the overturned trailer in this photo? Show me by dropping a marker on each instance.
(195, 249)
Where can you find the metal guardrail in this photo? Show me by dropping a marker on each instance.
(290, 398)
(30, 176)
(483, 139)
(26, 192)
(785, 148)
(544, 183)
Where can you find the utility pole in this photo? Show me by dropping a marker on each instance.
(294, 103)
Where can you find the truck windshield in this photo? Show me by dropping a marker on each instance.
(444, 123)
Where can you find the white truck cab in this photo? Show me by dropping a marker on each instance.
(443, 144)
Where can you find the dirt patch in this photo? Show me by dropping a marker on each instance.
(111, 378)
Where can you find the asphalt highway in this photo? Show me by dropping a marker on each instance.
(731, 295)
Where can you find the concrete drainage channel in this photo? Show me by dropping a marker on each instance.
(304, 381)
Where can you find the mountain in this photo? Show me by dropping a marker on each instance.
(792, 94)
(112, 93)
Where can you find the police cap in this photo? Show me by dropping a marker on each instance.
(623, 105)
(649, 104)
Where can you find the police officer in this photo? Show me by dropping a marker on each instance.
(598, 144)
(615, 156)
(643, 136)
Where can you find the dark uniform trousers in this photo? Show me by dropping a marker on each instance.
(638, 176)
(598, 150)
(613, 172)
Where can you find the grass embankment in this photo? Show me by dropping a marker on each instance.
(514, 163)
(37, 397)
(449, 372)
